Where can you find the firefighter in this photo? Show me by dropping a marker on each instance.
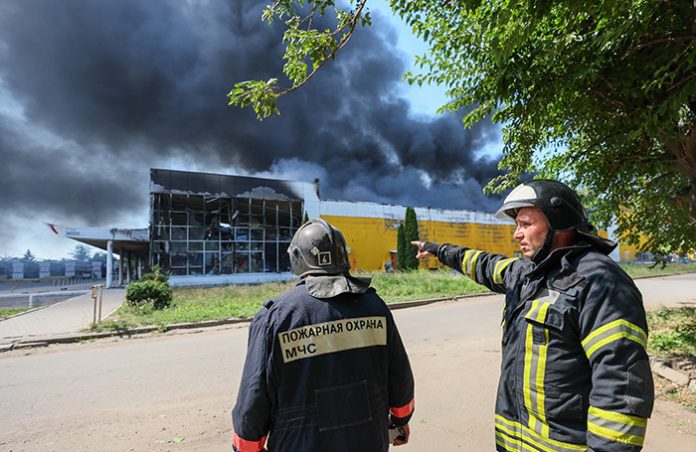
(574, 374)
(326, 369)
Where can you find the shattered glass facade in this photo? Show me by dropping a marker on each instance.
(209, 224)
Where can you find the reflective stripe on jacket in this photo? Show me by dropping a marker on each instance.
(323, 374)
(574, 374)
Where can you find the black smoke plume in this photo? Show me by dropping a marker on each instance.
(96, 92)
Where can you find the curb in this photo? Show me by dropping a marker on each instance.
(80, 337)
(677, 379)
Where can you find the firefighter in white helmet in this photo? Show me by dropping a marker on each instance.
(574, 374)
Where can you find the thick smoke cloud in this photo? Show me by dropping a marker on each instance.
(106, 89)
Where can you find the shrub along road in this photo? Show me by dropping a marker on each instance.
(174, 391)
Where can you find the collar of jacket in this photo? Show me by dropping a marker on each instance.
(329, 286)
(559, 254)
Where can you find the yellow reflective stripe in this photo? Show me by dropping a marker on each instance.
(472, 265)
(614, 324)
(627, 419)
(624, 428)
(614, 435)
(515, 437)
(613, 338)
(611, 332)
(541, 370)
(535, 361)
(465, 261)
(534, 438)
(504, 440)
(505, 446)
(528, 346)
(500, 267)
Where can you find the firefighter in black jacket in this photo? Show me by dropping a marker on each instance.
(574, 374)
(325, 368)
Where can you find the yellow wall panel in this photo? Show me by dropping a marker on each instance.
(371, 239)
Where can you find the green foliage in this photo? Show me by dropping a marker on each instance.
(155, 274)
(673, 331)
(80, 253)
(262, 96)
(4, 313)
(419, 285)
(308, 48)
(410, 234)
(28, 257)
(149, 294)
(673, 340)
(407, 232)
(401, 249)
(243, 301)
(99, 257)
(109, 325)
(600, 94)
(642, 270)
(201, 304)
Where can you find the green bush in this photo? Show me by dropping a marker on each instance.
(155, 275)
(158, 293)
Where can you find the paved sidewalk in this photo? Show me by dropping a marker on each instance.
(69, 316)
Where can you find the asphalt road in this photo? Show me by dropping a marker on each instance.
(174, 391)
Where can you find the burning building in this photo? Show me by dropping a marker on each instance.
(219, 229)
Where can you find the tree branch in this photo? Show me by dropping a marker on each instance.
(344, 40)
(689, 75)
(663, 39)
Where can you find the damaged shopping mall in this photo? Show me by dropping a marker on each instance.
(220, 229)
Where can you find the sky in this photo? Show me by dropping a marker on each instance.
(94, 94)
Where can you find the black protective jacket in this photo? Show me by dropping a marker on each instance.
(574, 372)
(322, 375)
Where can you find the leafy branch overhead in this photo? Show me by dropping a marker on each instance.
(306, 45)
(601, 94)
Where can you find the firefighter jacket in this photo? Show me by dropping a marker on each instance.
(574, 374)
(322, 375)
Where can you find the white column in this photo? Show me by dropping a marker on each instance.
(121, 262)
(109, 262)
(128, 267)
(140, 268)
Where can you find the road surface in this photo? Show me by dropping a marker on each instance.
(174, 391)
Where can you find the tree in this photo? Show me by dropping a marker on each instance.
(80, 253)
(401, 249)
(411, 234)
(407, 232)
(99, 257)
(306, 41)
(600, 94)
(28, 257)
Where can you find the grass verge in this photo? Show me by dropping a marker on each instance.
(672, 332)
(241, 301)
(643, 270)
(5, 313)
(673, 338)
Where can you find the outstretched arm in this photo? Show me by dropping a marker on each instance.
(494, 271)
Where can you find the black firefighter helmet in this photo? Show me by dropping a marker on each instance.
(318, 254)
(560, 205)
(317, 248)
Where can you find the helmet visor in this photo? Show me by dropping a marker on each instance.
(509, 210)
